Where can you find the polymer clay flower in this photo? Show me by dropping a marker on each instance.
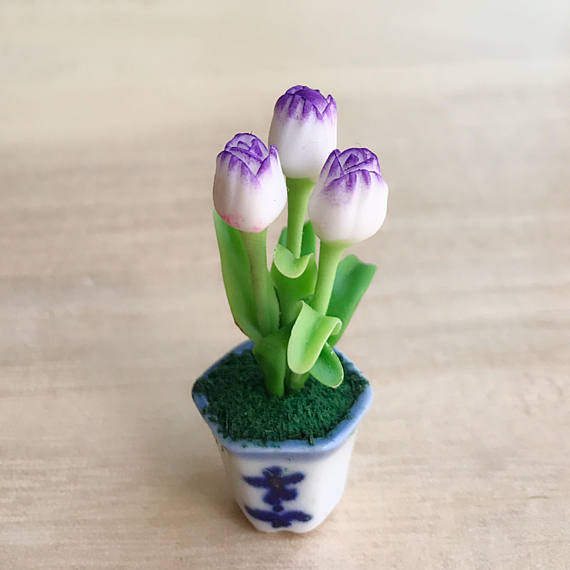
(304, 130)
(249, 186)
(350, 199)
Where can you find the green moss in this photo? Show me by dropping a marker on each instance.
(239, 404)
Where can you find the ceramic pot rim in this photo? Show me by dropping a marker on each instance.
(293, 447)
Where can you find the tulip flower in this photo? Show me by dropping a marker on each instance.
(304, 130)
(288, 312)
(349, 202)
(249, 193)
(348, 205)
(249, 186)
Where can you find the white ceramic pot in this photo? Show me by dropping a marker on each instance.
(291, 485)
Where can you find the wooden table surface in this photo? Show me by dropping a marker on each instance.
(111, 300)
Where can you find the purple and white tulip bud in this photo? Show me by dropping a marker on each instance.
(304, 130)
(350, 199)
(249, 186)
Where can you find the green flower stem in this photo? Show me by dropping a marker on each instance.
(299, 190)
(329, 258)
(296, 381)
(255, 245)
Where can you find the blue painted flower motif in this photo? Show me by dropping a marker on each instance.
(278, 520)
(279, 489)
(350, 199)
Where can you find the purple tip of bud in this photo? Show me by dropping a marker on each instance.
(344, 170)
(247, 141)
(300, 101)
(266, 165)
(311, 96)
(249, 149)
(235, 163)
(352, 160)
(359, 159)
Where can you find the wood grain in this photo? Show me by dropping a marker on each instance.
(111, 300)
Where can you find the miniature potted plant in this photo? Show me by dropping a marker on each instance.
(284, 406)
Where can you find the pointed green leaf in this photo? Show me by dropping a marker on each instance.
(237, 279)
(291, 291)
(288, 264)
(309, 241)
(283, 237)
(271, 354)
(308, 336)
(351, 281)
(328, 368)
(264, 296)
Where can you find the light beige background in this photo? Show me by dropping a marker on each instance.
(111, 300)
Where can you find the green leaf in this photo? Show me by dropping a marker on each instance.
(309, 242)
(264, 296)
(237, 279)
(351, 281)
(283, 237)
(271, 354)
(328, 368)
(288, 264)
(308, 336)
(291, 291)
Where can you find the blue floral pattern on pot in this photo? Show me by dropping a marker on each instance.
(279, 489)
(314, 473)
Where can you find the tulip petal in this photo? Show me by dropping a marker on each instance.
(349, 201)
(333, 168)
(258, 148)
(246, 141)
(330, 110)
(304, 130)
(249, 186)
(250, 159)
